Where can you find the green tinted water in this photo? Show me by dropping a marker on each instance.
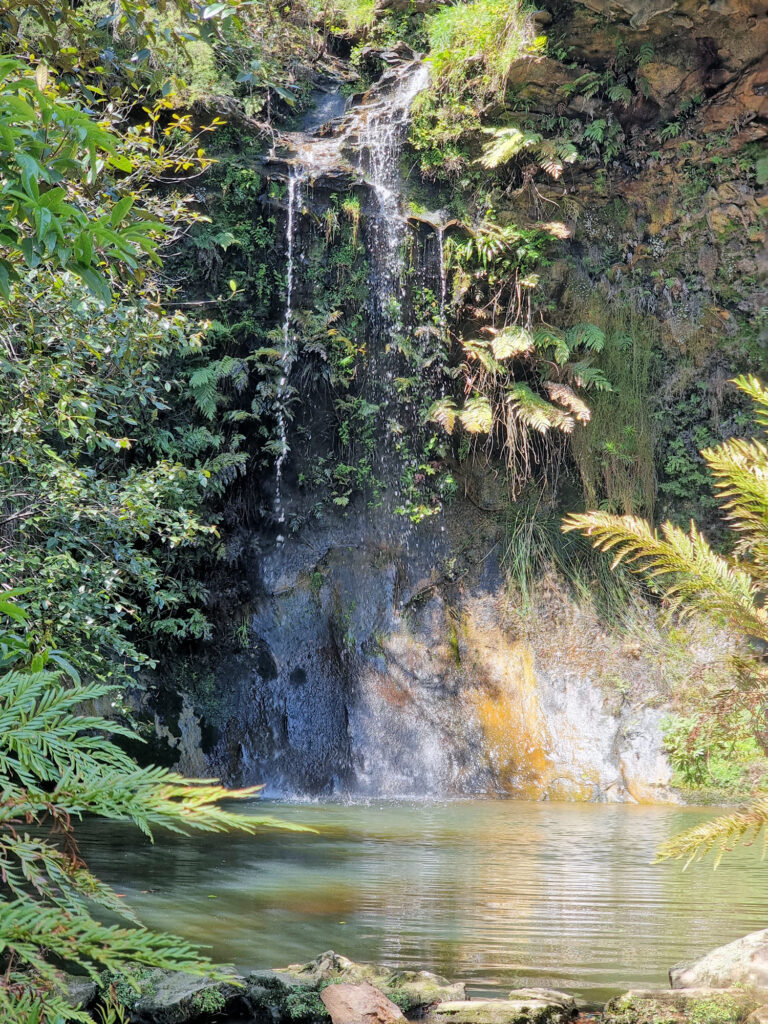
(496, 893)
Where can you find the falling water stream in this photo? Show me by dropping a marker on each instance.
(293, 204)
(443, 278)
(373, 133)
(381, 141)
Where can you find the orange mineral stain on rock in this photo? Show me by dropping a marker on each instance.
(506, 702)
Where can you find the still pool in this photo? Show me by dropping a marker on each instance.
(494, 893)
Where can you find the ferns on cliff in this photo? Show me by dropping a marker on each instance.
(506, 143)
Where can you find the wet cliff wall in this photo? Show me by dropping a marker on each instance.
(377, 634)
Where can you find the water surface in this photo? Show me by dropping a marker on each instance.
(495, 893)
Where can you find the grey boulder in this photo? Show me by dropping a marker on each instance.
(743, 962)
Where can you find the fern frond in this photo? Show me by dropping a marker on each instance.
(443, 412)
(588, 377)
(535, 412)
(758, 393)
(505, 144)
(544, 338)
(620, 94)
(587, 336)
(693, 576)
(511, 341)
(566, 397)
(723, 832)
(477, 416)
(480, 350)
(595, 131)
(204, 382)
(740, 469)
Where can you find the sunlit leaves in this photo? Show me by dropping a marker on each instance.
(477, 416)
(47, 215)
(443, 412)
(536, 412)
(507, 143)
(512, 341)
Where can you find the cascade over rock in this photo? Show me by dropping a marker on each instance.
(384, 656)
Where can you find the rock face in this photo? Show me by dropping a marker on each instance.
(359, 1004)
(524, 1006)
(743, 962)
(81, 991)
(370, 672)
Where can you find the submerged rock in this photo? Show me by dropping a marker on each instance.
(524, 1006)
(359, 1004)
(743, 962)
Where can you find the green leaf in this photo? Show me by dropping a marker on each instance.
(120, 210)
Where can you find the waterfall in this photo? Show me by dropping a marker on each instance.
(443, 325)
(443, 278)
(293, 202)
(381, 138)
(364, 144)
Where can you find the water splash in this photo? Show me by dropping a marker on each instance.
(293, 203)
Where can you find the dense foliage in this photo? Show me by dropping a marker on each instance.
(108, 458)
(142, 287)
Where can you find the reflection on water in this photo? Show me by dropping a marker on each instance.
(495, 893)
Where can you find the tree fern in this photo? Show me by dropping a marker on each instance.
(720, 834)
(694, 578)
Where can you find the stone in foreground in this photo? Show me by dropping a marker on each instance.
(411, 990)
(173, 997)
(760, 1016)
(81, 990)
(699, 1005)
(525, 1006)
(359, 1004)
(743, 962)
